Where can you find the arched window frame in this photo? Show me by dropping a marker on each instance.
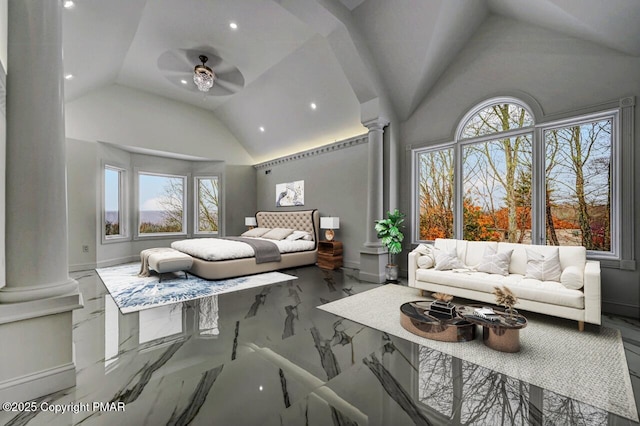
(622, 112)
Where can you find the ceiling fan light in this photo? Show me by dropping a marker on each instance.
(203, 76)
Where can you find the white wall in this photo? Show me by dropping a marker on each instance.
(125, 116)
(562, 73)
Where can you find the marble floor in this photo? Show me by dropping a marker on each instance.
(267, 356)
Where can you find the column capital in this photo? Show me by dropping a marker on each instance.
(377, 123)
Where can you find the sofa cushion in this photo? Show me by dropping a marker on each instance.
(448, 244)
(543, 266)
(518, 263)
(476, 251)
(572, 277)
(447, 260)
(527, 289)
(427, 257)
(495, 263)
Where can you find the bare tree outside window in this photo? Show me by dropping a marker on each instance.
(578, 179)
(207, 204)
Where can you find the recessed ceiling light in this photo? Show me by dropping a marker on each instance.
(68, 77)
(313, 105)
(183, 81)
(233, 25)
(68, 4)
(261, 129)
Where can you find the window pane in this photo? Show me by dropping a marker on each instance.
(112, 205)
(497, 118)
(497, 190)
(161, 203)
(435, 194)
(578, 179)
(207, 204)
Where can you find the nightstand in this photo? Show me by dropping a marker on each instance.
(329, 254)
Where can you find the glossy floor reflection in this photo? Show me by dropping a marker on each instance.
(267, 356)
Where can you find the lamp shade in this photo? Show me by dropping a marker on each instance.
(250, 221)
(330, 222)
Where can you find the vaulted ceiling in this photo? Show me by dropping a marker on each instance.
(291, 53)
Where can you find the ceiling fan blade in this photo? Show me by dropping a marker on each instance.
(174, 60)
(223, 87)
(234, 78)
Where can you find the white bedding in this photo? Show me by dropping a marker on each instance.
(220, 249)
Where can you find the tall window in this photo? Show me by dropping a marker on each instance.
(496, 174)
(114, 223)
(435, 193)
(207, 219)
(161, 204)
(578, 184)
(502, 179)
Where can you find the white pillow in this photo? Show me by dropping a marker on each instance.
(426, 259)
(255, 232)
(572, 277)
(447, 260)
(495, 263)
(543, 267)
(278, 234)
(299, 235)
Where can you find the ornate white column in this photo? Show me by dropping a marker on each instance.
(37, 302)
(373, 254)
(36, 219)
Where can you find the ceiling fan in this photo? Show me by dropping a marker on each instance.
(200, 70)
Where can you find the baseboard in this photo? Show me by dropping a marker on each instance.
(117, 261)
(351, 264)
(622, 309)
(35, 385)
(372, 278)
(82, 267)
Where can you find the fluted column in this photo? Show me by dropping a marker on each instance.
(375, 178)
(373, 254)
(36, 198)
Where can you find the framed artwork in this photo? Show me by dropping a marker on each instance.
(290, 194)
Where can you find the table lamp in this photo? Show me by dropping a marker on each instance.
(250, 221)
(329, 223)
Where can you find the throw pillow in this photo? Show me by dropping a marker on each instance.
(447, 260)
(255, 232)
(426, 259)
(495, 263)
(298, 235)
(543, 267)
(572, 277)
(278, 234)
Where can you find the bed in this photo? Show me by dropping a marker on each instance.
(211, 256)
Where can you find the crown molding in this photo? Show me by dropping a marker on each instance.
(347, 143)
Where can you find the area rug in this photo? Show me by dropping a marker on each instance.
(590, 367)
(132, 293)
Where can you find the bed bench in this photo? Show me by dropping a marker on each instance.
(167, 260)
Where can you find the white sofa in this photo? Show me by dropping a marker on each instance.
(546, 297)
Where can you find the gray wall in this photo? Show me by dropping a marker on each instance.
(335, 183)
(562, 73)
(84, 170)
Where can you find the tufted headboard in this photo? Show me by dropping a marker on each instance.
(303, 220)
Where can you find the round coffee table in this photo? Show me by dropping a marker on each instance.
(502, 334)
(415, 318)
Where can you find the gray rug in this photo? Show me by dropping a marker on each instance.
(590, 367)
(133, 293)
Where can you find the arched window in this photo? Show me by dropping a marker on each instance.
(495, 142)
(505, 177)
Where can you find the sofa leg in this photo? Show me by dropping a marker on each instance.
(580, 325)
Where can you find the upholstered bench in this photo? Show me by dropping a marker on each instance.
(169, 260)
